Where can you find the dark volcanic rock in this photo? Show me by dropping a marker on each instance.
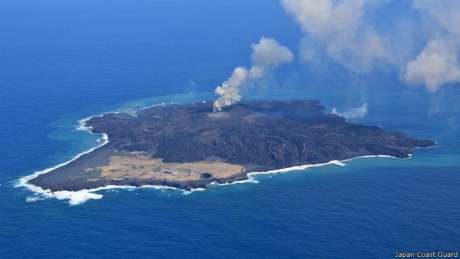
(259, 134)
(150, 147)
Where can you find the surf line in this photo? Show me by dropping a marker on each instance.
(81, 196)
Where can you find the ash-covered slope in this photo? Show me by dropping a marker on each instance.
(258, 134)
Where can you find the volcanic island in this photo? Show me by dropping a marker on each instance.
(189, 146)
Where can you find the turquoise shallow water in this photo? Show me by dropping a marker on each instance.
(71, 60)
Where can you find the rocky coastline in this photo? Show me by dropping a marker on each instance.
(189, 146)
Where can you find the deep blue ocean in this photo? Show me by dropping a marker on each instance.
(61, 61)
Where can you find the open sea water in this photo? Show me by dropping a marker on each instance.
(61, 61)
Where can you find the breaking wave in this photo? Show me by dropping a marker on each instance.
(81, 196)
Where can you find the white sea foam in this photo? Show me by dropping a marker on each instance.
(81, 196)
(297, 168)
(74, 198)
(33, 198)
(249, 180)
(188, 192)
(252, 175)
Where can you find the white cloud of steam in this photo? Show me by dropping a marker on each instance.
(348, 32)
(353, 113)
(267, 55)
(437, 63)
(340, 27)
(444, 12)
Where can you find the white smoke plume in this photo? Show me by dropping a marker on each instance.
(340, 27)
(437, 63)
(267, 55)
(348, 32)
(353, 113)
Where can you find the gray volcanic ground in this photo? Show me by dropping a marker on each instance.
(190, 146)
(263, 133)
